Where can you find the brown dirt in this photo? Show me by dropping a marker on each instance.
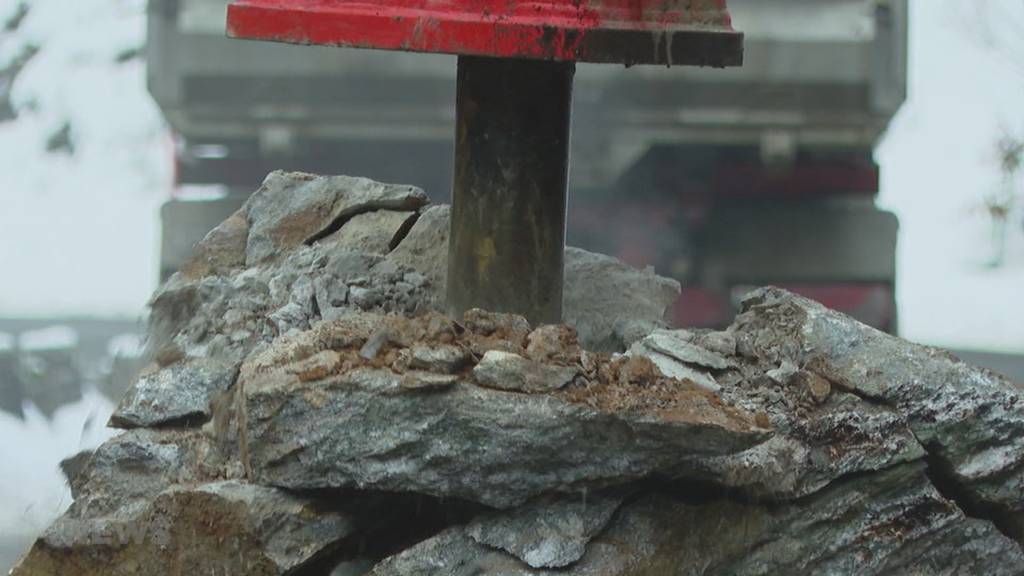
(606, 383)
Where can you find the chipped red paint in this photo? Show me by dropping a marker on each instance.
(628, 31)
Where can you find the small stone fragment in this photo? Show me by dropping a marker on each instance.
(176, 393)
(678, 344)
(723, 343)
(553, 342)
(374, 343)
(783, 373)
(444, 358)
(813, 385)
(419, 380)
(291, 316)
(506, 371)
(364, 298)
(547, 534)
(507, 326)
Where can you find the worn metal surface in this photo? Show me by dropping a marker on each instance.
(514, 103)
(509, 196)
(695, 32)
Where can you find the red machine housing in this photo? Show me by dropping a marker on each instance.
(694, 32)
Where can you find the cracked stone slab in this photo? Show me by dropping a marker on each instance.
(893, 522)
(376, 232)
(177, 393)
(549, 534)
(355, 430)
(294, 208)
(970, 419)
(224, 527)
(322, 418)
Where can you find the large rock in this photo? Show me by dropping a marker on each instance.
(365, 429)
(221, 528)
(611, 303)
(970, 420)
(320, 415)
(891, 523)
(292, 208)
(177, 394)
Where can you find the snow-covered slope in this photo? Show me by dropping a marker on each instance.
(78, 219)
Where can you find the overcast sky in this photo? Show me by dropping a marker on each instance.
(80, 233)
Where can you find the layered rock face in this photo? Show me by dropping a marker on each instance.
(310, 411)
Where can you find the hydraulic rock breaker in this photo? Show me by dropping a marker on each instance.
(514, 106)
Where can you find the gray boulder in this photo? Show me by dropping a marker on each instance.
(367, 431)
(970, 420)
(176, 394)
(225, 527)
(891, 523)
(322, 416)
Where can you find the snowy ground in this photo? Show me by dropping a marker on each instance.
(32, 489)
(80, 230)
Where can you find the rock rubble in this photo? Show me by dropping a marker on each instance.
(310, 411)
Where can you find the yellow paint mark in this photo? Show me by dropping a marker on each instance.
(485, 254)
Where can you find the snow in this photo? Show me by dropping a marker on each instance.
(80, 231)
(32, 487)
(52, 338)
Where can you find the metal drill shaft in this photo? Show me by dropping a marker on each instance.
(506, 252)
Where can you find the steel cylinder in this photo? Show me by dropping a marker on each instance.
(507, 243)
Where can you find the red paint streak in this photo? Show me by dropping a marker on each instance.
(548, 29)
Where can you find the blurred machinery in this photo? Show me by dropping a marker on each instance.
(49, 368)
(721, 179)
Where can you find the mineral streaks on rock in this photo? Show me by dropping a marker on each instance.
(293, 208)
(970, 420)
(893, 522)
(177, 394)
(795, 442)
(221, 528)
(548, 534)
(323, 417)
